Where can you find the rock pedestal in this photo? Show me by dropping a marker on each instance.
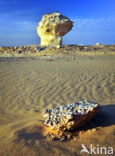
(52, 27)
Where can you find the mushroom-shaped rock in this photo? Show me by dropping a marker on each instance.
(52, 27)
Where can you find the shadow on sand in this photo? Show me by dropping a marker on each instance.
(104, 118)
(108, 115)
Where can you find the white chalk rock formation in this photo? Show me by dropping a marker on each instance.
(68, 117)
(52, 27)
(98, 44)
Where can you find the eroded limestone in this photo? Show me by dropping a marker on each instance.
(52, 27)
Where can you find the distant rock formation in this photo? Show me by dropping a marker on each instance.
(69, 117)
(52, 27)
(98, 44)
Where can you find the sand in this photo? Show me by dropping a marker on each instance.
(29, 85)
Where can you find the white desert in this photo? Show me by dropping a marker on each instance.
(34, 78)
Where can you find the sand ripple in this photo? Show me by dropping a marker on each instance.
(28, 86)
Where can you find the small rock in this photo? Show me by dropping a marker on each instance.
(98, 44)
(58, 46)
(74, 138)
(94, 129)
(62, 139)
(89, 130)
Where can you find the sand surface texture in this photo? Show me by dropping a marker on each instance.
(28, 86)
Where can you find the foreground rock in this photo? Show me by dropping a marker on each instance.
(69, 117)
(52, 27)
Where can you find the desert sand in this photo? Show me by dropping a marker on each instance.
(29, 85)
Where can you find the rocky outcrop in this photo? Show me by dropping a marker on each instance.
(69, 117)
(52, 27)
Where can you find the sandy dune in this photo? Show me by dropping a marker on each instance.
(28, 86)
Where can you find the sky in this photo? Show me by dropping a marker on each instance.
(94, 20)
